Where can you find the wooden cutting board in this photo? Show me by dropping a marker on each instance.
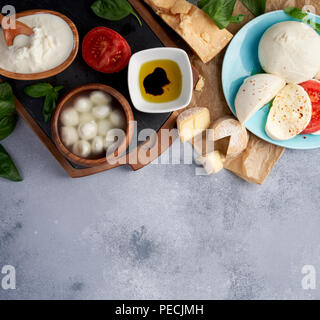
(150, 35)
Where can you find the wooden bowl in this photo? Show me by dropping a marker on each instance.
(122, 101)
(56, 70)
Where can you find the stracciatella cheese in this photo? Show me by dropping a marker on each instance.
(290, 50)
(49, 46)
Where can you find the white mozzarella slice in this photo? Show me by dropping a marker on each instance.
(290, 113)
(255, 92)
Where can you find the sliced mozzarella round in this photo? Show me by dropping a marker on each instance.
(290, 113)
(100, 98)
(82, 148)
(69, 136)
(101, 112)
(69, 117)
(83, 104)
(97, 145)
(117, 119)
(104, 126)
(255, 92)
(88, 130)
(85, 117)
(290, 50)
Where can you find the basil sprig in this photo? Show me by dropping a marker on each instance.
(301, 15)
(257, 7)
(113, 10)
(220, 11)
(50, 93)
(8, 120)
(8, 170)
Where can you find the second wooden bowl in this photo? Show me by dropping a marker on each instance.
(64, 103)
(56, 70)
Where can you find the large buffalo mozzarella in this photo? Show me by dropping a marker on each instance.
(290, 50)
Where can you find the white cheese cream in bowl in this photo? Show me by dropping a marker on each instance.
(50, 50)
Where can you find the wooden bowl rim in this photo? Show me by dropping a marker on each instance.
(58, 69)
(55, 123)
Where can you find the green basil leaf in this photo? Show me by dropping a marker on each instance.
(6, 100)
(5, 91)
(49, 106)
(301, 15)
(38, 90)
(257, 7)
(8, 170)
(57, 89)
(296, 13)
(113, 10)
(7, 125)
(220, 11)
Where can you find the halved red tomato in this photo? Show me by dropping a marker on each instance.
(105, 50)
(313, 89)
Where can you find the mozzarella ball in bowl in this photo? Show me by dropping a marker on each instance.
(290, 50)
(69, 136)
(86, 117)
(83, 104)
(101, 112)
(82, 148)
(117, 119)
(88, 130)
(100, 98)
(97, 145)
(104, 126)
(69, 117)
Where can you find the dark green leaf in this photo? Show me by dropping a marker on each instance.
(301, 15)
(6, 100)
(257, 7)
(5, 91)
(220, 11)
(113, 10)
(7, 125)
(57, 89)
(8, 170)
(38, 90)
(49, 105)
(296, 13)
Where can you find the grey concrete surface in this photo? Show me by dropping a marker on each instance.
(159, 233)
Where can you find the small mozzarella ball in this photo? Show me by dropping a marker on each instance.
(85, 117)
(88, 130)
(117, 119)
(82, 149)
(104, 126)
(97, 145)
(69, 136)
(100, 98)
(83, 104)
(69, 117)
(101, 112)
(109, 139)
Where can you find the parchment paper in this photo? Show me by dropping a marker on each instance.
(257, 161)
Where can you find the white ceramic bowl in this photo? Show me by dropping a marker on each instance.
(177, 55)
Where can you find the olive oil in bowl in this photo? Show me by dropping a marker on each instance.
(160, 81)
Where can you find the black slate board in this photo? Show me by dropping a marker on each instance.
(79, 73)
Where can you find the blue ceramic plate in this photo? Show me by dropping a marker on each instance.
(241, 61)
